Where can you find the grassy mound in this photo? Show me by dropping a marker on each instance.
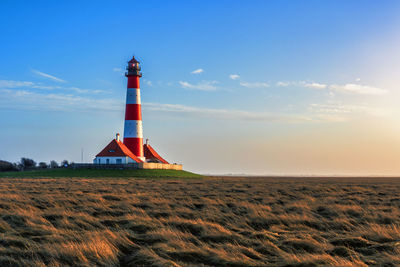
(93, 173)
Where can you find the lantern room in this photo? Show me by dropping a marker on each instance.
(133, 68)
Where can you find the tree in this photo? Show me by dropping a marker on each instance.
(53, 164)
(7, 166)
(43, 165)
(27, 163)
(64, 163)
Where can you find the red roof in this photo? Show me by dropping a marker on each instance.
(117, 149)
(151, 154)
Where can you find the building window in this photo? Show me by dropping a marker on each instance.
(99, 160)
(119, 161)
(107, 161)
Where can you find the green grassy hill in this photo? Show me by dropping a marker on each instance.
(93, 173)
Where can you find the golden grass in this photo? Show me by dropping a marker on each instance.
(208, 222)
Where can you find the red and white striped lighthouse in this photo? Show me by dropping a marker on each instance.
(132, 149)
(133, 131)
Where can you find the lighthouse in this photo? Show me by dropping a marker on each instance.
(132, 152)
(133, 129)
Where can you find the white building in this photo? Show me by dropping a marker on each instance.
(116, 153)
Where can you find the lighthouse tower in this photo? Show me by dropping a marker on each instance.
(132, 151)
(133, 131)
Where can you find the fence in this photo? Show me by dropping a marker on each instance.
(144, 165)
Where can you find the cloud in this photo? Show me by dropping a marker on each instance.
(222, 114)
(325, 112)
(234, 76)
(21, 84)
(48, 76)
(198, 71)
(314, 85)
(147, 82)
(15, 84)
(342, 112)
(119, 70)
(358, 89)
(346, 88)
(86, 91)
(202, 86)
(254, 84)
(46, 87)
(282, 84)
(28, 100)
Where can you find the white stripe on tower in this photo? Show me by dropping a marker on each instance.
(133, 129)
(133, 96)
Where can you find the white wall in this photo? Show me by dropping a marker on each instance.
(112, 160)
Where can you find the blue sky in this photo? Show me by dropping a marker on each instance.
(260, 87)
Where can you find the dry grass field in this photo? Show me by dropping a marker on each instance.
(200, 222)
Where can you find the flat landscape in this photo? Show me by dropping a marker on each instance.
(218, 221)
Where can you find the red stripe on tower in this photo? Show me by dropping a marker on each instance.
(133, 81)
(133, 111)
(133, 132)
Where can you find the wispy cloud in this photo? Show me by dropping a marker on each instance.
(119, 70)
(254, 84)
(323, 112)
(202, 86)
(48, 76)
(86, 91)
(20, 84)
(282, 84)
(198, 71)
(15, 84)
(353, 88)
(223, 114)
(27, 84)
(28, 100)
(343, 112)
(45, 87)
(147, 82)
(358, 89)
(234, 76)
(314, 85)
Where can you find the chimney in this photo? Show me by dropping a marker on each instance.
(117, 137)
(147, 141)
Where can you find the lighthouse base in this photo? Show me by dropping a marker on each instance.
(142, 165)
